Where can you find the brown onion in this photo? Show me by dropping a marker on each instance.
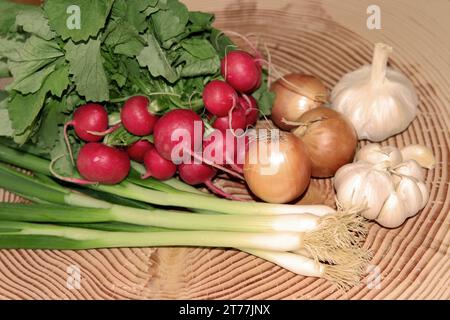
(330, 140)
(279, 174)
(295, 94)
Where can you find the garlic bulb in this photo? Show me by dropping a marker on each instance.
(379, 101)
(390, 189)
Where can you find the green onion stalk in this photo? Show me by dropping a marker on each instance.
(322, 234)
(80, 221)
(158, 193)
(23, 235)
(17, 234)
(93, 235)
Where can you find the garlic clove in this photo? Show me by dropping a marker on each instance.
(348, 169)
(425, 193)
(392, 215)
(347, 185)
(375, 153)
(375, 189)
(422, 154)
(411, 168)
(410, 194)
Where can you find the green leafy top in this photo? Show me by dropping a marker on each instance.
(77, 20)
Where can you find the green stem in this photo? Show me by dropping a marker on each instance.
(24, 160)
(135, 177)
(196, 105)
(185, 199)
(101, 211)
(295, 262)
(181, 186)
(157, 218)
(4, 71)
(112, 198)
(29, 187)
(196, 201)
(52, 213)
(115, 226)
(42, 190)
(116, 100)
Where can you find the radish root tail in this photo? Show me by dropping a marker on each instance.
(230, 117)
(66, 140)
(269, 68)
(320, 99)
(214, 165)
(67, 179)
(190, 100)
(107, 131)
(252, 46)
(220, 192)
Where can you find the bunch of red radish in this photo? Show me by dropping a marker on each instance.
(230, 108)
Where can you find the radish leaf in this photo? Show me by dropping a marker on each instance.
(86, 66)
(59, 80)
(92, 16)
(5, 124)
(34, 21)
(171, 22)
(154, 58)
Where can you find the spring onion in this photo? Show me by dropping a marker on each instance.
(320, 235)
(23, 235)
(189, 200)
(321, 245)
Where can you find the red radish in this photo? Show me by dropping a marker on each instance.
(250, 106)
(178, 129)
(158, 167)
(241, 71)
(100, 163)
(219, 97)
(178, 137)
(196, 173)
(238, 121)
(258, 84)
(91, 117)
(87, 119)
(137, 150)
(136, 117)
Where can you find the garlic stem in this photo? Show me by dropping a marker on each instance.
(379, 62)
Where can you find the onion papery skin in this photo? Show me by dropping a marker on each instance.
(330, 140)
(282, 174)
(291, 102)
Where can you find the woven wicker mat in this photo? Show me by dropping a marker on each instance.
(327, 38)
